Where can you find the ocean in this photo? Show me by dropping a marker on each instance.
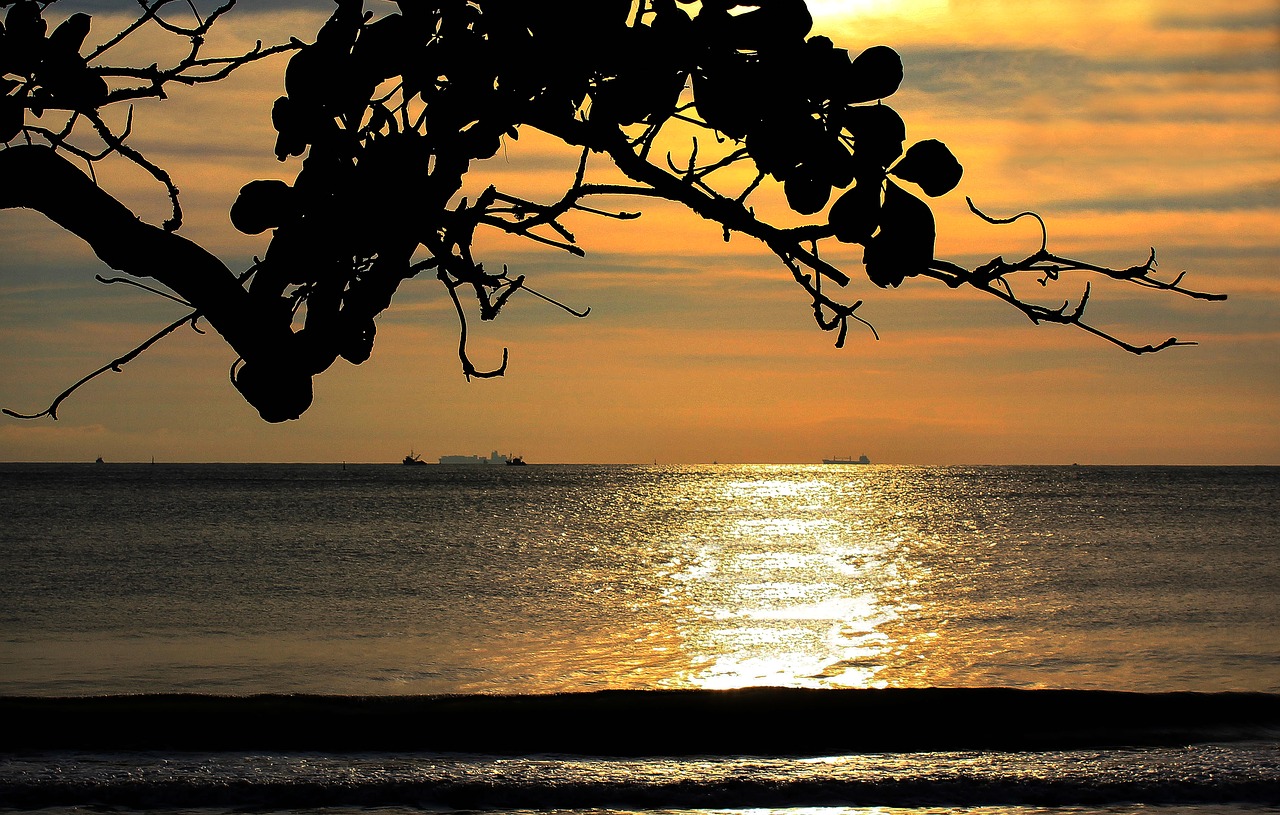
(594, 638)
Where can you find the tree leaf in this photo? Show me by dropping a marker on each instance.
(68, 37)
(24, 37)
(873, 74)
(878, 132)
(261, 205)
(772, 24)
(930, 164)
(11, 116)
(726, 98)
(856, 213)
(904, 245)
(292, 139)
(805, 194)
(382, 47)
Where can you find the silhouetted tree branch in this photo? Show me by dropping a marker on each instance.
(388, 115)
(993, 278)
(37, 178)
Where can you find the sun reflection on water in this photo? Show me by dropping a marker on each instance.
(796, 581)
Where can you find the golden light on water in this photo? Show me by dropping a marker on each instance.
(643, 577)
(869, 577)
(804, 576)
(797, 590)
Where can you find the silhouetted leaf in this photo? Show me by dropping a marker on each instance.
(383, 46)
(822, 70)
(261, 205)
(772, 24)
(387, 169)
(481, 142)
(24, 37)
(292, 140)
(37, 100)
(296, 252)
(70, 82)
(874, 74)
(23, 21)
(420, 69)
(280, 393)
(646, 94)
(69, 36)
(340, 30)
(904, 245)
(641, 80)
(775, 145)
(422, 17)
(672, 29)
(355, 342)
(930, 164)
(11, 117)
(309, 77)
(856, 213)
(805, 194)
(711, 27)
(878, 133)
(581, 18)
(839, 163)
(727, 99)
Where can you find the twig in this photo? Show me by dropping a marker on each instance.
(1044, 230)
(142, 286)
(468, 370)
(113, 365)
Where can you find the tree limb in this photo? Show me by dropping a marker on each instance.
(36, 177)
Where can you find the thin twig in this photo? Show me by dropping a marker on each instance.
(113, 365)
(468, 370)
(142, 286)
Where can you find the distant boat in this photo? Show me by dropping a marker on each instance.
(847, 460)
(99, 460)
(412, 459)
(493, 458)
(515, 461)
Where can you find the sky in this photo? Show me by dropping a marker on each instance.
(1127, 125)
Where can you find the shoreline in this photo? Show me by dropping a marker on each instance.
(750, 721)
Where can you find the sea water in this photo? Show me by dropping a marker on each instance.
(392, 580)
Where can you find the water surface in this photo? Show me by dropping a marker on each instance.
(393, 579)
(389, 581)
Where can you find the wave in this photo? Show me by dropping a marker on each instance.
(244, 794)
(744, 722)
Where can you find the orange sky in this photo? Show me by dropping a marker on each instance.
(1126, 124)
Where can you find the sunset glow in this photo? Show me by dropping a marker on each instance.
(1125, 125)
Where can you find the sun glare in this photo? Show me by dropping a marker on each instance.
(808, 589)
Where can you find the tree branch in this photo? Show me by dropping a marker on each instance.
(35, 177)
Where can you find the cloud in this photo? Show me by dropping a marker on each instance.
(997, 78)
(1251, 20)
(1244, 61)
(1027, 83)
(1265, 195)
